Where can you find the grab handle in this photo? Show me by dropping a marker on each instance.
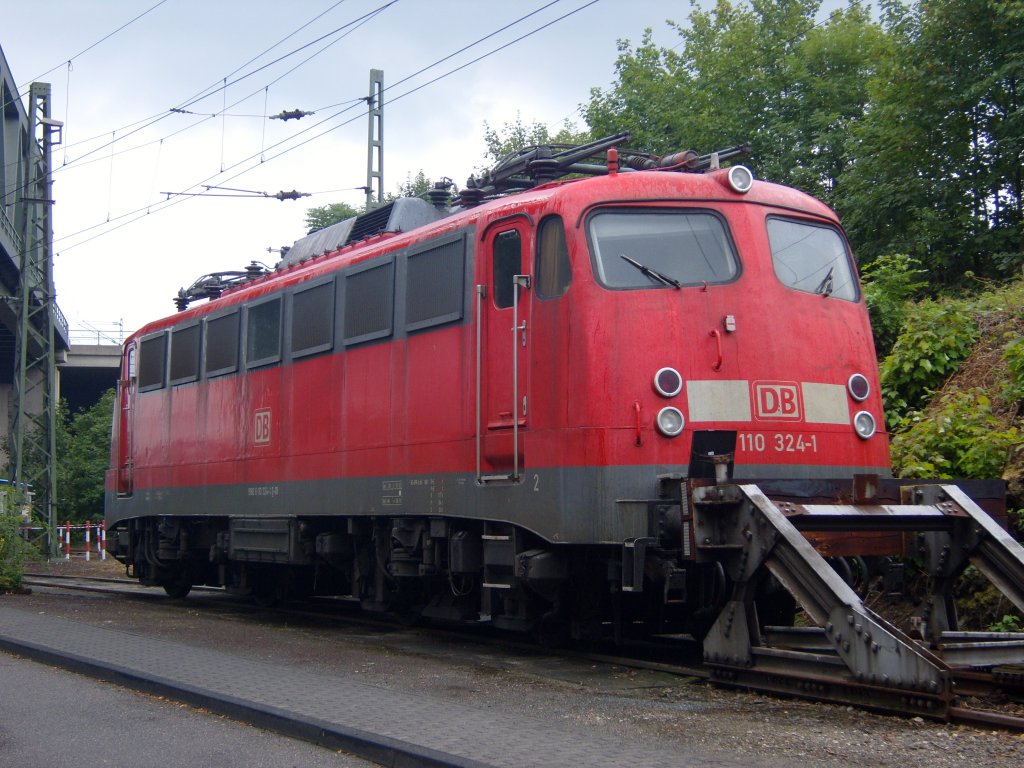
(718, 345)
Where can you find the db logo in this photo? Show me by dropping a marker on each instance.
(261, 427)
(777, 400)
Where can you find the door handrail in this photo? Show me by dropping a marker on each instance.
(517, 282)
(481, 293)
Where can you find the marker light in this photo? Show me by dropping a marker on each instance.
(740, 178)
(859, 387)
(668, 382)
(670, 421)
(864, 424)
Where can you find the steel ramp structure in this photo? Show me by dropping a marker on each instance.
(853, 655)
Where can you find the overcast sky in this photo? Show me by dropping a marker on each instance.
(123, 251)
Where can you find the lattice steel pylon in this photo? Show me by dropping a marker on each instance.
(375, 140)
(34, 422)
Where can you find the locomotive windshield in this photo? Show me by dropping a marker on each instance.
(811, 258)
(660, 249)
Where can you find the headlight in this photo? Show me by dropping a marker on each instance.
(670, 421)
(859, 387)
(668, 382)
(740, 178)
(864, 424)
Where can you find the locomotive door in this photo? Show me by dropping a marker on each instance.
(126, 410)
(503, 312)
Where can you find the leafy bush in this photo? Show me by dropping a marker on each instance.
(1016, 523)
(980, 605)
(1009, 623)
(937, 337)
(890, 282)
(960, 438)
(13, 550)
(1014, 357)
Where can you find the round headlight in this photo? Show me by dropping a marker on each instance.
(740, 178)
(670, 421)
(859, 387)
(668, 382)
(864, 424)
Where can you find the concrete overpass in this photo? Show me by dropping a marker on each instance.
(88, 371)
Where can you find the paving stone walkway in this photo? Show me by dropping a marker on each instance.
(391, 727)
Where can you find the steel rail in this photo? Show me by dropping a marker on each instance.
(781, 680)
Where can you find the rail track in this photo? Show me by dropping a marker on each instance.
(983, 698)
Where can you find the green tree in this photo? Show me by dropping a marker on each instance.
(765, 73)
(890, 283)
(513, 138)
(326, 215)
(936, 169)
(84, 460)
(414, 186)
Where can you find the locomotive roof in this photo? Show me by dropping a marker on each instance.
(416, 220)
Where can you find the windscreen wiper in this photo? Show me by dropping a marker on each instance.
(825, 286)
(653, 273)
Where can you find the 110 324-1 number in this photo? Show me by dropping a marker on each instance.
(779, 442)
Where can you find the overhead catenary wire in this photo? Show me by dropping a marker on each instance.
(67, 107)
(252, 194)
(141, 125)
(22, 90)
(263, 134)
(136, 213)
(235, 71)
(215, 88)
(459, 68)
(80, 162)
(356, 23)
(143, 211)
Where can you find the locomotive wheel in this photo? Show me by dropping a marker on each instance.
(553, 629)
(861, 573)
(407, 604)
(268, 593)
(178, 588)
(775, 606)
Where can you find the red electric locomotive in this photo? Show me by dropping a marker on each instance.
(529, 408)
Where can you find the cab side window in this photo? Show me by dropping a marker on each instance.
(553, 272)
(508, 262)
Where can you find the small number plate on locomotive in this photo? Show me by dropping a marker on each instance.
(780, 442)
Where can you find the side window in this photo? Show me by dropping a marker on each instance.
(508, 262)
(369, 302)
(221, 345)
(313, 319)
(131, 362)
(812, 258)
(263, 333)
(185, 354)
(434, 288)
(553, 272)
(153, 362)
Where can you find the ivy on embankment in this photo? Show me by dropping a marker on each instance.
(953, 380)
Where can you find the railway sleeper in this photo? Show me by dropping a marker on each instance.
(853, 655)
